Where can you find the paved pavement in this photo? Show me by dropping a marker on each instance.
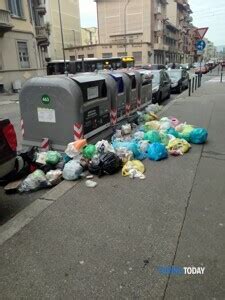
(107, 243)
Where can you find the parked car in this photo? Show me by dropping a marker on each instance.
(174, 66)
(201, 68)
(186, 66)
(161, 86)
(8, 145)
(154, 67)
(179, 80)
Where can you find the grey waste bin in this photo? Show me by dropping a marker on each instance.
(63, 109)
(123, 94)
(135, 82)
(112, 91)
(145, 88)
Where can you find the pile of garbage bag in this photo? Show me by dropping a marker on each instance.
(154, 139)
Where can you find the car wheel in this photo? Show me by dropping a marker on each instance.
(169, 94)
(180, 89)
(159, 97)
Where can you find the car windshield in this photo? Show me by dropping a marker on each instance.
(174, 74)
(156, 77)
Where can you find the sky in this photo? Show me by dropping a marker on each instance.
(210, 13)
(206, 13)
(88, 13)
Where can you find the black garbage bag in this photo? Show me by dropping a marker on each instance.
(24, 165)
(107, 163)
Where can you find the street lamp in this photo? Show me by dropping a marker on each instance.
(125, 25)
(63, 48)
(74, 40)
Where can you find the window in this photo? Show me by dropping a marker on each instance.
(23, 55)
(81, 56)
(119, 54)
(90, 55)
(106, 55)
(15, 7)
(137, 57)
(72, 57)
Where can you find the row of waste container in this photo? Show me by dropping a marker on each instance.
(63, 108)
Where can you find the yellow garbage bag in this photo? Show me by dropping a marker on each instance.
(153, 125)
(133, 165)
(178, 146)
(153, 116)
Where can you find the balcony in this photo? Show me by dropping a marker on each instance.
(41, 8)
(42, 36)
(5, 22)
(158, 10)
(158, 33)
(173, 49)
(161, 47)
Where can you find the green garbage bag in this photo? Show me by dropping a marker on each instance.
(146, 117)
(153, 136)
(53, 157)
(89, 151)
(164, 139)
(173, 132)
(186, 133)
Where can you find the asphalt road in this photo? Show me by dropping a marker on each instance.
(10, 205)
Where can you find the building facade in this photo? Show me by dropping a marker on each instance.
(70, 23)
(179, 14)
(23, 41)
(210, 51)
(89, 36)
(156, 31)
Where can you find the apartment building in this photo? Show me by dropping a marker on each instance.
(128, 27)
(23, 41)
(179, 14)
(70, 13)
(89, 36)
(210, 50)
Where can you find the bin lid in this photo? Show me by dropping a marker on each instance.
(146, 73)
(84, 78)
(116, 75)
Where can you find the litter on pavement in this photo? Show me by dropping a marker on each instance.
(153, 138)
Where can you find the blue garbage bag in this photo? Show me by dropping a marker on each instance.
(131, 145)
(157, 151)
(152, 136)
(198, 136)
(173, 132)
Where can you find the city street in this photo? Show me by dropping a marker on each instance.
(110, 243)
(113, 185)
(10, 205)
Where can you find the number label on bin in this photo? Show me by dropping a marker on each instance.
(45, 99)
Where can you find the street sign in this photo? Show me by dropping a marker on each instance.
(200, 52)
(201, 32)
(200, 45)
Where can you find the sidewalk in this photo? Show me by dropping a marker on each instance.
(8, 98)
(107, 243)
